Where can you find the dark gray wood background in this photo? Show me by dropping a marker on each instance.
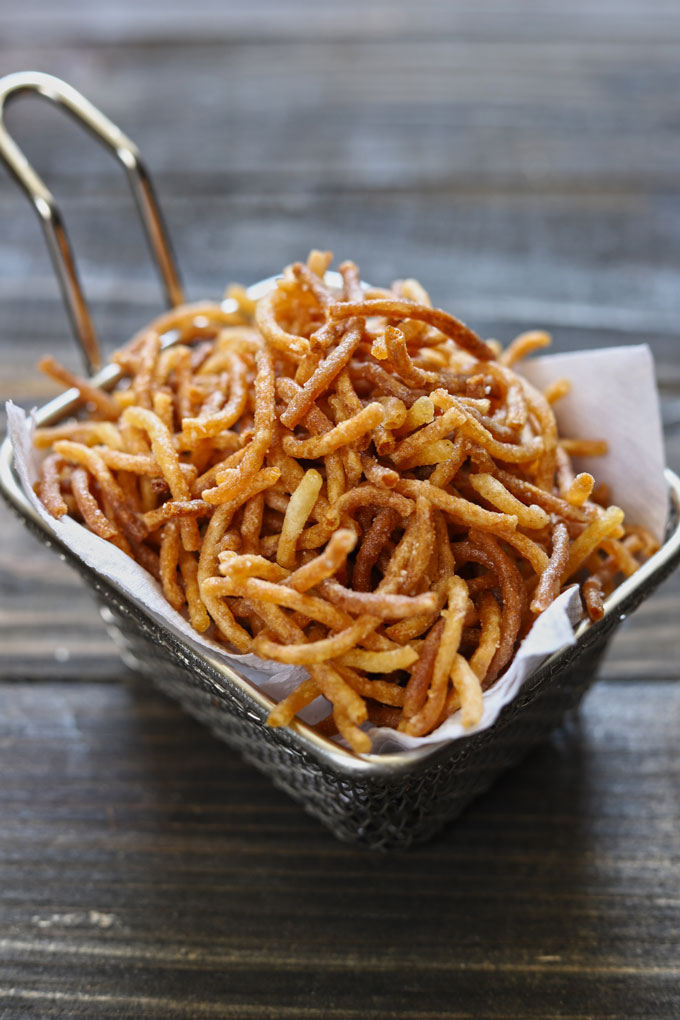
(523, 160)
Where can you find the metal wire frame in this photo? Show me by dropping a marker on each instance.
(126, 152)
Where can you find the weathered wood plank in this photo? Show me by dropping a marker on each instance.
(346, 114)
(568, 263)
(523, 161)
(470, 20)
(147, 871)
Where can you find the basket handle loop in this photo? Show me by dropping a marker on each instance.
(126, 152)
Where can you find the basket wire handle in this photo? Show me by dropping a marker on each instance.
(126, 152)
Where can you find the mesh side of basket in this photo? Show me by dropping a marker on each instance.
(386, 812)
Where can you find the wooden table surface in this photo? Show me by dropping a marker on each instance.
(523, 160)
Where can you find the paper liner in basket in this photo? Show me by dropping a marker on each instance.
(613, 397)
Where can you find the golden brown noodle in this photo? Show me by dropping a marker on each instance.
(348, 480)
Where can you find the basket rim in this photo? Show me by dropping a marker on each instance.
(379, 766)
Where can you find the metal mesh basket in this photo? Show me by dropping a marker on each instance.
(382, 801)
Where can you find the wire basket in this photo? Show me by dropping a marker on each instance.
(387, 801)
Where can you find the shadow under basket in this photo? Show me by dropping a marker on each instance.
(385, 801)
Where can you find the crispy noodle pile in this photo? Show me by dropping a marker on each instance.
(347, 480)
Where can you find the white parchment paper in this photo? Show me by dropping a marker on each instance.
(614, 397)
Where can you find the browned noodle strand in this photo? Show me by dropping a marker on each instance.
(347, 480)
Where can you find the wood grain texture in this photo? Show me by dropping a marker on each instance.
(523, 160)
(154, 874)
(472, 21)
